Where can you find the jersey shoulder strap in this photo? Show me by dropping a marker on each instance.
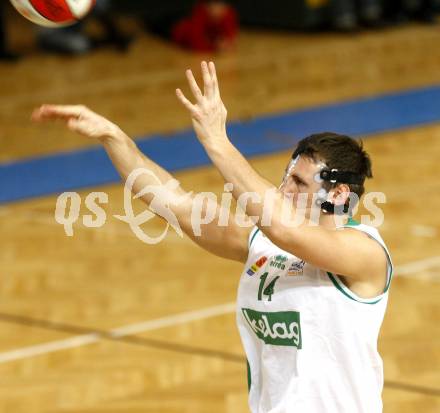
(254, 232)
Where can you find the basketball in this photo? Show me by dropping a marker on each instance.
(53, 13)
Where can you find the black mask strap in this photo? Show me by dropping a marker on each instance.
(333, 176)
(344, 177)
(329, 208)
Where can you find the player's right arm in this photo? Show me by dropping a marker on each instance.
(230, 241)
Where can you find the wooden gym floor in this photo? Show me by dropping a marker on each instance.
(104, 323)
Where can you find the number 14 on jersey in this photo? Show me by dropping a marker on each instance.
(269, 289)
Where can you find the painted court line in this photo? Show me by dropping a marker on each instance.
(51, 347)
(405, 270)
(91, 338)
(412, 268)
(174, 320)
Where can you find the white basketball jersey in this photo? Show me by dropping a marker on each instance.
(311, 343)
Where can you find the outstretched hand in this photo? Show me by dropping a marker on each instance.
(208, 114)
(79, 119)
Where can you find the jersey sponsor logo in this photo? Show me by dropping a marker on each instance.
(280, 328)
(296, 268)
(279, 262)
(255, 267)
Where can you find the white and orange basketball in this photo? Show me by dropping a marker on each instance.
(53, 13)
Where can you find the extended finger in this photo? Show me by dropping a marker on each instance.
(65, 112)
(213, 73)
(207, 81)
(194, 86)
(185, 102)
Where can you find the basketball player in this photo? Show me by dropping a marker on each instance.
(311, 297)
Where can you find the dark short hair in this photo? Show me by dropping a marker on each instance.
(339, 152)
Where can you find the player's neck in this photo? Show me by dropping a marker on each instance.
(331, 221)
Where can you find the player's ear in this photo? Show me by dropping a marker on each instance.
(340, 195)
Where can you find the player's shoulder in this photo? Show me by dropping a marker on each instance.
(260, 245)
(369, 230)
(257, 239)
(252, 235)
(373, 234)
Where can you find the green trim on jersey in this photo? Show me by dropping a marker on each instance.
(387, 287)
(351, 223)
(253, 237)
(347, 292)
(390, 275)
(249, 378)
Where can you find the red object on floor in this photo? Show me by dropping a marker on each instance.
(205, 31)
